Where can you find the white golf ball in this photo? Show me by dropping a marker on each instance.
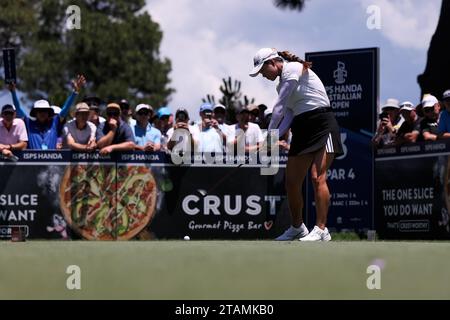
(187, 238)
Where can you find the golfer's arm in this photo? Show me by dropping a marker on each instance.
(279, 109)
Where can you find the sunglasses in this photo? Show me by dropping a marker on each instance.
(7, 113)
(143, 113)
(428, 109)
(113, 113)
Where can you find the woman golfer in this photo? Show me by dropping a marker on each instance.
(303, 106)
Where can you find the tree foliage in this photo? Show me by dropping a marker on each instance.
(232, 98)
(117, 49)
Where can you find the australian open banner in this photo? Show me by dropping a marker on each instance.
(351, 79)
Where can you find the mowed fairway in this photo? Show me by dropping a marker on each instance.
(224, 270)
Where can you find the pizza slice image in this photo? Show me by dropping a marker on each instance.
(107, 203)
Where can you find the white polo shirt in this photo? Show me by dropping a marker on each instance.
(310, 92)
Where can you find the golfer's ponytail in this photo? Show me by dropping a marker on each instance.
(290, 57)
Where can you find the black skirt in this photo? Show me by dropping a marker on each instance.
(313, 130)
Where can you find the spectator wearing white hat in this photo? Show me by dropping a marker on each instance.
(390, 121)
(444, 118)
(226, 131)
(13, 134)
(79, 133)
(409, 131)
(44, 131)
(146, 136)
(429, 124)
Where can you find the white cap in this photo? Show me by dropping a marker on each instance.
(446, 95)
(391, 103)
(429, 101)
(407, 105)
(260, 57)
(267, 112)
(143, 106)
(219, 106)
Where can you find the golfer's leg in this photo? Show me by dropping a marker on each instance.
(321, 163)
(296, 170)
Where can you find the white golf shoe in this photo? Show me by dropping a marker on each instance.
(293, 233)
(317, 234)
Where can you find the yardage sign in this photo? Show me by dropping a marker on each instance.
(9, 63)
(351, 79)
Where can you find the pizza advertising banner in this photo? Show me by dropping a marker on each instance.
(137, 195)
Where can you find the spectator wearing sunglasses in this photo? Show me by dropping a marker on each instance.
(429, 124)
(146, 136)
(13, 134)
(126, 112)
(409, 131)
(114, 134)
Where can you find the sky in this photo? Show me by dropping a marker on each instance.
(207, 40)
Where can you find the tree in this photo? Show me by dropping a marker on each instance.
(231, 98)
(117, 49)
(436, 77)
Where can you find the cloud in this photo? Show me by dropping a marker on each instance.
(406, 23)
(205, 44)
(209, 40)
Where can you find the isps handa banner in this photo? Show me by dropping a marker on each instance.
(137, 195)
(351, 79)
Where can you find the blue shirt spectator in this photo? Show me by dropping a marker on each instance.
(444, 122)
(43, 131)
(146, 137)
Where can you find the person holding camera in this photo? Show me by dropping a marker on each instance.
(211, 136)
(390, 122)
(182, 137)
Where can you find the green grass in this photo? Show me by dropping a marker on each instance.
(224, 270)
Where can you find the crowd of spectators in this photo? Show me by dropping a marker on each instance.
(403, 123)
(91, 125)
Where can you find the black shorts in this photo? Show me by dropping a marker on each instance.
(313, 130)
